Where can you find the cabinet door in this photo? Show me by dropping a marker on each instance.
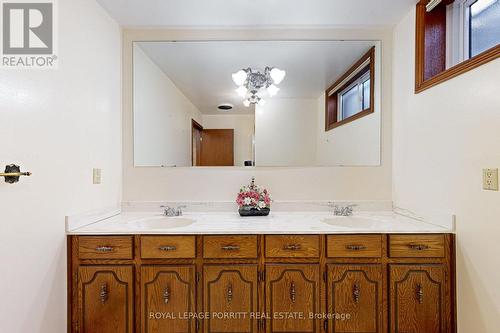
(417, 298)
(356, 291)
(230, 296)
(167, 292)
(292, 294)
(105, 295)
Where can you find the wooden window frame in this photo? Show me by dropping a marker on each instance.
(332, 93)
(430, 49)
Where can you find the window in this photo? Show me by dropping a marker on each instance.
(355, 98)
(351, 96)
(453, 37)
(482, 26)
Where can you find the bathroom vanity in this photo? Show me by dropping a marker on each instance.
(233, 280)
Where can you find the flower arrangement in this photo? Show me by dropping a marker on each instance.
(253, 200)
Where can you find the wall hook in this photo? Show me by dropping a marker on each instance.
(12, 173)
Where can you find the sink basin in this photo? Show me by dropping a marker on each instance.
(352, 222)
(162, 222)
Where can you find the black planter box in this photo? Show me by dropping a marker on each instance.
(254, 211)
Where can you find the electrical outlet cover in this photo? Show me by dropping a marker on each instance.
(96, 176)
(490, 179)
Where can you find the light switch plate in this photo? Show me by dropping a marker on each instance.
(490, 179)
(96, 176)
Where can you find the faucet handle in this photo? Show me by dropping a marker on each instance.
(179, 209)
(167, 210)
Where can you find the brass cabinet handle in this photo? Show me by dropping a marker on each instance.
(420, 293)
(230, 294)
(230, 248)
(418, 247)
(166, 295)
(103, 295)
(356, 293)
(293, 292)
(104, 248)
(292, 247)
(167, 248)
(355, 247)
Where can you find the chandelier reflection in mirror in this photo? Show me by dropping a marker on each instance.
(253, 85)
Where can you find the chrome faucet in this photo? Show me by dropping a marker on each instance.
(170, 211)
(342, 210)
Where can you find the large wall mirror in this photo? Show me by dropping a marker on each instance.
(256, 103)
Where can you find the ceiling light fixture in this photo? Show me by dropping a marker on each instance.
(253, 84)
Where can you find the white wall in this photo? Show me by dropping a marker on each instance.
(285, 132)
(310, 183)
(243, 125)
(59, 124)
(162, 117)
(443, 137)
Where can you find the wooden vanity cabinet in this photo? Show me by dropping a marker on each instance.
(356, 290)
(418, 298)
(106, 295)
(230, 289)
(282, 283)
(292, 294)
(167, 292)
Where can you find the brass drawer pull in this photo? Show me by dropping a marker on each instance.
(418, 247)
(355, 247)
(230, 294)
(292, 247)
(104, 248)
(420, 294)
(293, 292)
(356, 293)
(166, 295)
(230, 248)
(103, 295)
(167, 248)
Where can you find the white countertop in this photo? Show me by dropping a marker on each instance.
(134, 222)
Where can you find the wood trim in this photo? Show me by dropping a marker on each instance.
(421, 82)
(194, 124)
(350, 119)
(459, 69)
(329, 122)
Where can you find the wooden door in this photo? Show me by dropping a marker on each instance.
(417, 298)
(356, 291)
(106, 299)
(292, 294)
(167, 293)
(217, 147)
(230, 295)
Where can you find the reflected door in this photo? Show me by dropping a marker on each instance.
(217, 147)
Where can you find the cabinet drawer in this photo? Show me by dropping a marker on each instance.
(230, 247)
(292, 246)
(354, 246)
(411, 246)
(106, 247)
(158, 247)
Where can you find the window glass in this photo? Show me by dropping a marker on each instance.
(366, 94)
(484, 26)
(350, 102)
